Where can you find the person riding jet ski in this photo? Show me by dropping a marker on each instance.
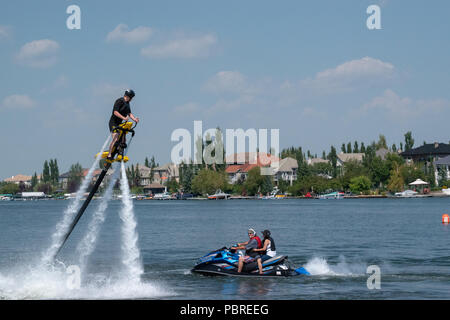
(267, 251)
(254, 242)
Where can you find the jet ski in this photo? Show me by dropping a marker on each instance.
(224, 262)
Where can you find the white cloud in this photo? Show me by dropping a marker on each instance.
(404, 107)
(350, 75)
(123, 33)
(183, 47)
(18, 101)
(38, 53)
(226, 81)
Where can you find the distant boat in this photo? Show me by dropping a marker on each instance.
(162, 196)
(332, 195)
(219, 195)
(406, 194)
(274, 195)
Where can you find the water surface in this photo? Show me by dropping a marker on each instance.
(336, 240)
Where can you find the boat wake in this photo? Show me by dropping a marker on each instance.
(69, 213)
(318, 266)
(46, 278)
(36, 283)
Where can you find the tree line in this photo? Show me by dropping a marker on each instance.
(374, 174)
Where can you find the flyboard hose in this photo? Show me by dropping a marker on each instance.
(122, 152)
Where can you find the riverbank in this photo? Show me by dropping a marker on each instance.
(429, 195)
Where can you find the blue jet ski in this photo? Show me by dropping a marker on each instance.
(224, 262)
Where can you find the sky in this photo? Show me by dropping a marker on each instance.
(312, 69)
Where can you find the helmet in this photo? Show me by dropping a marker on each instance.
(266, 233)
(129, 93)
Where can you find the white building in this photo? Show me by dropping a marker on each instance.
(287, 170)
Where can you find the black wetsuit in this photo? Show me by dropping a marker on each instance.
(123, 108)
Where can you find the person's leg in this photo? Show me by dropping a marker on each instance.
(115, 135)
(240, 264)
(260, 265)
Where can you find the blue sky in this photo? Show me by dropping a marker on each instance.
(309, 68)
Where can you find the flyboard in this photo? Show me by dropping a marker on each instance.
(117, 155)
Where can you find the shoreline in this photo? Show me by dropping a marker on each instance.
(430, 195)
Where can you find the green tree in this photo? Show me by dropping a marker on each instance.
(396, 182)
(186, 177)
(381, 142)
(411, 172)
(45, 187)
(9, 188)
(349, 147)
(34, 181)
(356, 147)
(75, 177)
(173, 186)
(362, 149)
(209, 181)
(360, 184)
(137, 176)
(379, 171)
(315, 184)
(332, 156)
(54, 172)
(409, 141)
(351, 170)
(257, 183)
(46, 172)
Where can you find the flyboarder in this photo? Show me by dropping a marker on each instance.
(121, 112)
(116, 152)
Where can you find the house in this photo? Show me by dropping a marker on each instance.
(144, 174)
(166, 172)
(239, 164)
(382, 153)
(262, 159)
(64, 178)
(287, 171)
(325, 173)
(19, 179)
(428, 152)
(342, 158)
(313, 161)
(442, 169)
(154, 188)
(238, 172)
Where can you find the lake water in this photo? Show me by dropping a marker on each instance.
(335, 240)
